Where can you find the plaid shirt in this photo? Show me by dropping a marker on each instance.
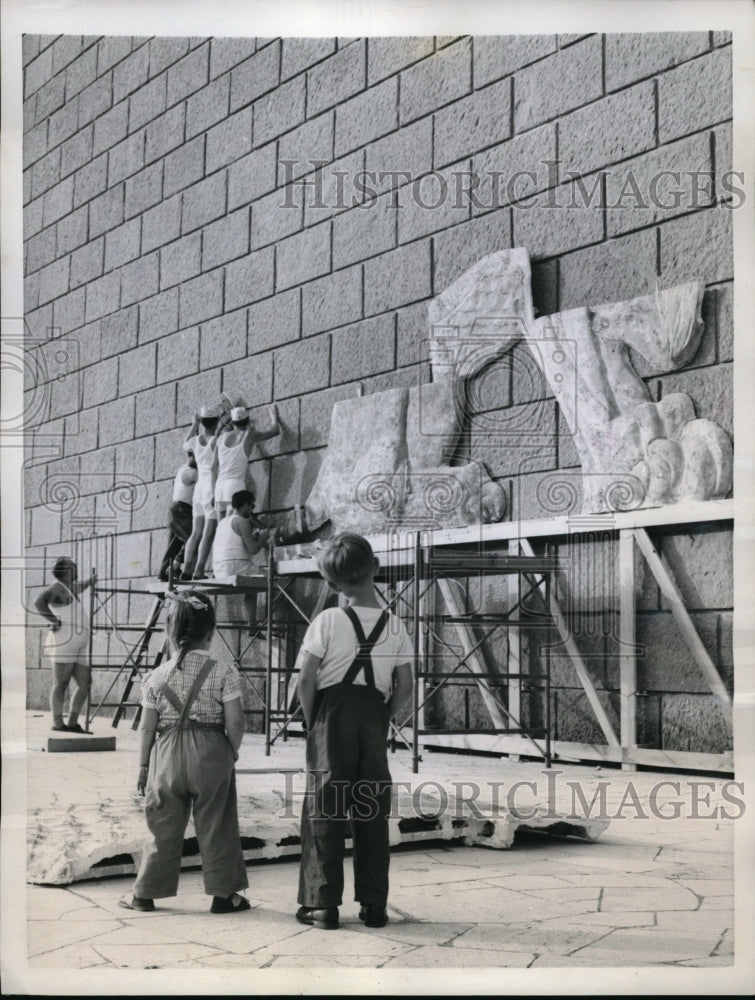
(222, 684)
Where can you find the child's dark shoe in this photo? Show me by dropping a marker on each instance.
(325, 919)
(373, 916)
(230, 904)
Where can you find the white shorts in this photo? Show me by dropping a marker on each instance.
(235, 567)
(225, 488)
(65, 646)
(203, 504)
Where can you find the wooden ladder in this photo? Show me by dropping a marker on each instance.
(138, 654)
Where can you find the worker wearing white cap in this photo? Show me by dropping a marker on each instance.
(235, 445)
(202, 440)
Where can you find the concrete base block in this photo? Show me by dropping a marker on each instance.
(79, 744)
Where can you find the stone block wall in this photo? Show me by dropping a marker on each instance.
(270, 217)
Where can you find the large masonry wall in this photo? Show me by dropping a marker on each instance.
(194, 222)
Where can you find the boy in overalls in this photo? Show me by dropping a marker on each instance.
(355, 675)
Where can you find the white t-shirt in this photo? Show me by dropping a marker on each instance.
(183, 485)
(331, 637)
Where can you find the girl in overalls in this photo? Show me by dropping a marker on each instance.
(192, 726)
(67, 645)
(355, 675)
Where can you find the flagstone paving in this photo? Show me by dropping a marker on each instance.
(649, 891)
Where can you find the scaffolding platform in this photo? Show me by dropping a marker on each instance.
(212, 585)
(422, 578)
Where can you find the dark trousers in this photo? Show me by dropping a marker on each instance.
(347, 776)
(179, 527)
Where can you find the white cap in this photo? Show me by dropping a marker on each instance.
(239, 413)
(207, 412)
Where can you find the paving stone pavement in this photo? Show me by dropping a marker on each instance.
(649, 893)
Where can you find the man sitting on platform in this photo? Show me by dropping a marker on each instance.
(237, 541)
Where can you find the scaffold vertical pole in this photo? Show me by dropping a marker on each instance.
(547, 582)
(88, 705)
(417, 587)
(268, 700)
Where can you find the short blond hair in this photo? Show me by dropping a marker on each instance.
(347, 559)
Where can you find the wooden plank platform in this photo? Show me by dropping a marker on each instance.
(396, 546)
(215, 585)
(570, 752)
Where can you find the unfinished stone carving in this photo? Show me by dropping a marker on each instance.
(386, 465)
(657, 453)
(388, 456)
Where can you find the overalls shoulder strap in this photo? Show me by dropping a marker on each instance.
(168, 692)
(363, 659)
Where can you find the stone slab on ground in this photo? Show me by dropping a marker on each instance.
(86, 819)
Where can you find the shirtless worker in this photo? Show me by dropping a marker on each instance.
(68, 642)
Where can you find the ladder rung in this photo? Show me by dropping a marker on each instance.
(538, 733)
(126, 628)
